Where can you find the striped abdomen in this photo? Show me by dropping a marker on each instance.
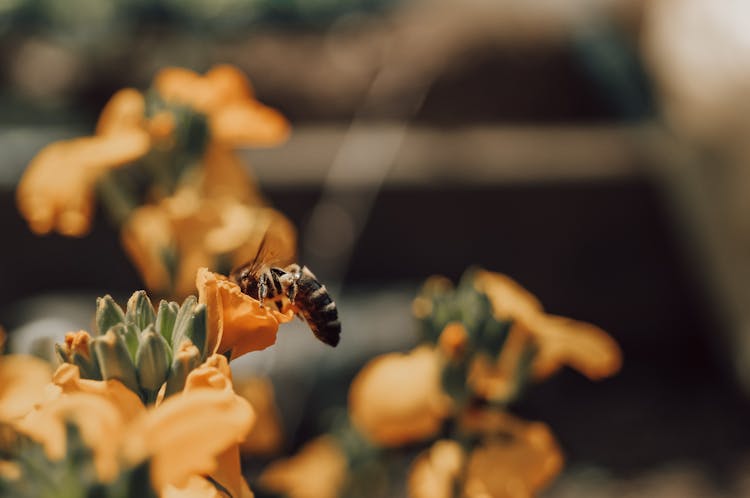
(317, 308)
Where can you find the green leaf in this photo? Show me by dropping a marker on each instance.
(108, 314)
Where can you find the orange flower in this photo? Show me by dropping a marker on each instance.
(559, 341)
(196, 432)
(57, 190)
(515, 459)
(267, 436)
(224, 94)
(190, 434)
(397, 398)
(236, 322)
(318, 470)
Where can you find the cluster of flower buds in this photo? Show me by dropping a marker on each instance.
(460, 322)
(142, 348)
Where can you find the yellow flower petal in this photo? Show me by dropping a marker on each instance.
(125, 401)
(559, 341)
(23, 380)
(195, 487)
(214, 373)
(318, 470)
(186, 433)
(250, 124)
(225, 175)
(267, 436)
(125, 110)
(57, 189)
(237, 322)
(509, 300)
(397, 398)
(221, 86)
(146, 236)
(515, 466)
(580, 345)
(435, 471)
(100, 423)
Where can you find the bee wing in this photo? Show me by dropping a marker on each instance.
(265, 256)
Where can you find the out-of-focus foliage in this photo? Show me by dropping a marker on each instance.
(85, 20)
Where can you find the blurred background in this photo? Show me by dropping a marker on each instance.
(594, 150)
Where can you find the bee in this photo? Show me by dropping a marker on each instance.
(294, 286)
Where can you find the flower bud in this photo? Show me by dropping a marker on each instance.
(77, 350)
(165, 319)
(187, 358)
(152, 362)
(108, 314)
(140, 311)
(129, 334)
(114, 360)
(183, 323)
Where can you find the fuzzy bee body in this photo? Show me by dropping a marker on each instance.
(297, 287)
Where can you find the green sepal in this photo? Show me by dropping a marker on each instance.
(61, 354)
(185, 360)
(183, 322)
(492, 336)
(129, 334)
(165, 319)
(453, 378)
(115, 361)
(198, 332)
(108, 314)
(152, 361)
(140, 311)
(89, 367)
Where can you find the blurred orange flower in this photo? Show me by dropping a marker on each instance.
(318, 470)
(515, 459)
(559, 341)
(267, 436)
(57, 190)
(517, 465)
(237, 323)
(187, 231)
(224, 94)
(173, 435)
(397, 398)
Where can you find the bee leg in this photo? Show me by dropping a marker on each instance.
(262, 288)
